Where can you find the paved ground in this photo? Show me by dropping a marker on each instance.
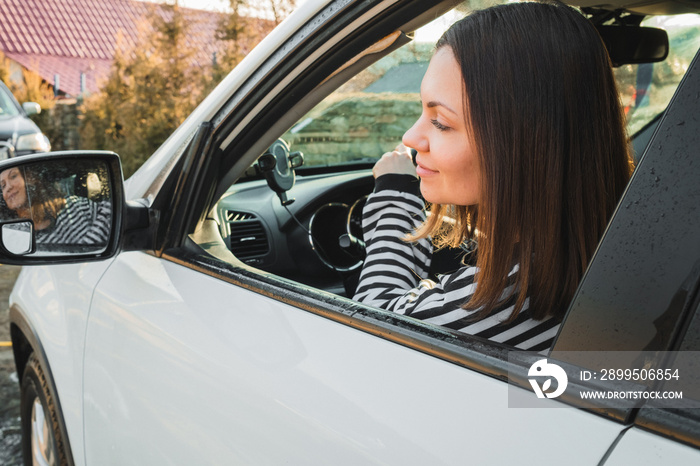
(10, 436)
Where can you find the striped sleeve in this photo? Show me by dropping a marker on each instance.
(394, 268)
(80, 222)
(395, 273)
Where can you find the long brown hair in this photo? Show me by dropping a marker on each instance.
(548, 128)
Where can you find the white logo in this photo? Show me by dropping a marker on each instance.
(542, 368)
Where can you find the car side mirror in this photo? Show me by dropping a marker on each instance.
(60, 207)
(31, 108)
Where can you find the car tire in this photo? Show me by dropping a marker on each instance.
(42, 442)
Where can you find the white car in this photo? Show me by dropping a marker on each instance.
(213, 325)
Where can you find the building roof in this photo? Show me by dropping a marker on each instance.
(71, 37)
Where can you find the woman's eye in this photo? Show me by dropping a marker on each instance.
(439, 125)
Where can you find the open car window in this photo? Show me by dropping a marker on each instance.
(341, 138)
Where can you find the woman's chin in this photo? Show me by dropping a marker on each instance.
(428, 194)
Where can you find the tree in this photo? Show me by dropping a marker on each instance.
(149, 93)
(277, 10)
(32, 88)
(232, 26)
(154, 85)
(4, 69)
(238, 34)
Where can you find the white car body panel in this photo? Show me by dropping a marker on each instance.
(643, 448)
(175, 357)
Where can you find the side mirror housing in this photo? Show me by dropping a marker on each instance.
(31, 108)
(61, 207)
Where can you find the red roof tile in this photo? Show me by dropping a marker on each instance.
(70, 37)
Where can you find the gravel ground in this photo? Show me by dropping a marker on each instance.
(10, 436)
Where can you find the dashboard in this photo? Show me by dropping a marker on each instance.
(302, 240)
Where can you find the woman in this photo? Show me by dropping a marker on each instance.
(70, 221)
(521, 148)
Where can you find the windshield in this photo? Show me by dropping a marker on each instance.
(7, 107)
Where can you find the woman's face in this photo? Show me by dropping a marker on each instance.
(13, 189)
(447, 162)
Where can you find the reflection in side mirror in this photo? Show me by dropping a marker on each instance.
(69, 203)
(18, 237)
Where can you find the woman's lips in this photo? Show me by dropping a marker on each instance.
(423, 172)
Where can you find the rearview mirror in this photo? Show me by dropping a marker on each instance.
(630, 45)
(60, 207)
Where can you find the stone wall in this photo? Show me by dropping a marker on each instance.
(357, 126)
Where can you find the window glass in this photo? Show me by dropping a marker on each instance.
(7, 107)
(647, 89)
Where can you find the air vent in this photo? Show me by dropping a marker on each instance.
(248, 237)
(235, 216)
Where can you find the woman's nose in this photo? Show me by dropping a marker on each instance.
(414, 138)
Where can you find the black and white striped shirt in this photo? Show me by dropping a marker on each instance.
(395, 274)
(81, 222)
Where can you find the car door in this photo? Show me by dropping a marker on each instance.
(193, 359)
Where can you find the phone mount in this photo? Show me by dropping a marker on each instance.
(277, 165)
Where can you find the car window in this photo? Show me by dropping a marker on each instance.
(7, 106)
(366, 117)
(346, 132)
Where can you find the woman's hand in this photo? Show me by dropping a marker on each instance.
(398, 162)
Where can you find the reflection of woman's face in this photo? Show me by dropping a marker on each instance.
(13, 189)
